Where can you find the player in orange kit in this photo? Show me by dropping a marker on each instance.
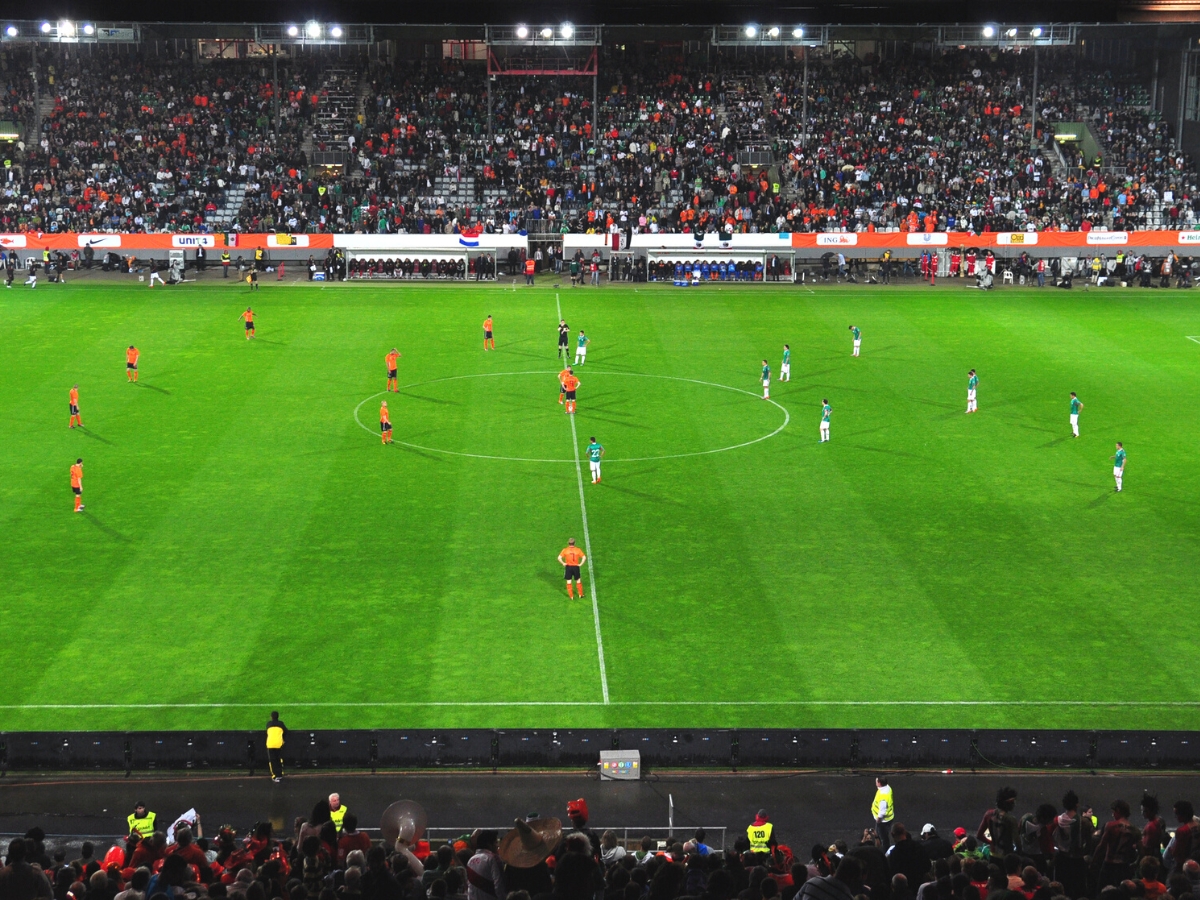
(390, 362)
(572, 558)
(562, 389)
(248, 318)
(570, 383)
(76, 419)
(385, 423)
(77, 483)
(487, 334)
(131, 363)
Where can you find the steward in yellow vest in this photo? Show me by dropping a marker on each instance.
(883, 810)
(761, 834)
(141, 821)
(337, 810)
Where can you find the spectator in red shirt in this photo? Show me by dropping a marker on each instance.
(1119, 847)
(1154, 833)
(1183, 845)
(351, 839)
(186, 847)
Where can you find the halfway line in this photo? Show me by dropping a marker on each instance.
(587, 543)
(387, 704)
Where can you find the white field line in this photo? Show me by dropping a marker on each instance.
(385, 704)
(1194, 337)
(587, 545)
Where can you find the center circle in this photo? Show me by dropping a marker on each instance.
(609, 403)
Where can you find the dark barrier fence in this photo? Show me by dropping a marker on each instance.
(663, 748)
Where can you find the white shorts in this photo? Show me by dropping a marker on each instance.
(594, 466)
(766, 382)
(970, 395)
(1118, 471)
(858, 343)
(580, 352)
(824, 425)
(1074, 418)
(785, 369)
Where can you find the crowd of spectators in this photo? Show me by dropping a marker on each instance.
(1053, 851)
(909, 143)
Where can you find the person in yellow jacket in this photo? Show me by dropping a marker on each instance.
(275, 734)
(883, 810)
(141, 821)
(337, 810)
(761, 835)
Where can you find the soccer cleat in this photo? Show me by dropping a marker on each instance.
(277, 779)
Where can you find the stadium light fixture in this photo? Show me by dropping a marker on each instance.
(11, 31)
(797, 32)
(335, 32)
(522, 32)
(567, 30)
(89, 29)
(312, 30)
(547, 33)
(46, 27)
(773, 32)
(989, 31)
(751, 31)
(293, 31)
(66, 29)
(1012, 32)
(1035, 32)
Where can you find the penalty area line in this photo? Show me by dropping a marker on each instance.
(587, 544)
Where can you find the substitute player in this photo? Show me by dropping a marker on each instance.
(972, 386)
(581, 345)
(391, 362)
(826, 412)
(857, 339)
(385, 424)
(489, 343)
(564, 339)
(1118, 459)
(248, 319)
(570, 384)
(595, 453)
(75, 417)
(766, 380)
(572, 558)
(77, 484)
(785, 367)
(1076, 406)
(131, 363)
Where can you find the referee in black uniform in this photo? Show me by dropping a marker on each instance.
(564, 340)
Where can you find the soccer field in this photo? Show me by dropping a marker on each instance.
(249, 544)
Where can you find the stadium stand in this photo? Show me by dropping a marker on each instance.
(913, 143)
(1054, 850)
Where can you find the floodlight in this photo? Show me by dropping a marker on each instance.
(1012, 32)
(547, 33)
(89, 28)
(773, 32)
(46, 26)
(11, 31)
(335, 31)
(66, 29)
(797, 32)
(989, 31)
(567, 30)
(292, 31)
(751, 31)
(522, 32)
(313, 30)
(1036, 32)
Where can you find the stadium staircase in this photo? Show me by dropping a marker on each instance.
(226, 214)
(335, 117)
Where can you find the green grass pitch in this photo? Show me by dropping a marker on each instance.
(248, 544)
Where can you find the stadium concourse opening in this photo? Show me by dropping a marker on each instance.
(252, 214)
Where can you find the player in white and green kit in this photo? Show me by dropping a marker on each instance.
(826, 412)
(581, 348)
(785, 368)
(1118, 459)
(1076, 406)
(595, 452)
(766, 380)
(972, 385)
(857, 338)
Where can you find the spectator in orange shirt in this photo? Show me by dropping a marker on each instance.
(77, 483)
(390, 362)
(131, 363)
(572, 558)
(385, 424)
(76, 419)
